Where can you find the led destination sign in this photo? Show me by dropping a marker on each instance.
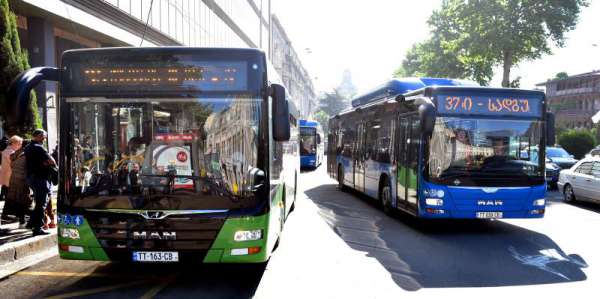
(490, 105)
(161, 76)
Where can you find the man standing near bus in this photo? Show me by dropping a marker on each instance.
(38, 178)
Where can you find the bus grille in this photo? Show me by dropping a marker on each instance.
(119, 234)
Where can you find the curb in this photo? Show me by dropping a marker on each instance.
(15, 251)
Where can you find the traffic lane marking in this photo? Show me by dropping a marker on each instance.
(155, 290)
(97, 290)
(79, 274)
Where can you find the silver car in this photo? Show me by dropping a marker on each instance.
(582, 181)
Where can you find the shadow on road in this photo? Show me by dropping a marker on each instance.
(126, 280)
(449, 253)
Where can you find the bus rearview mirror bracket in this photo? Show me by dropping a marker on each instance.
(20, 89)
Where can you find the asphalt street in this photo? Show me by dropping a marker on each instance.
(340, 245)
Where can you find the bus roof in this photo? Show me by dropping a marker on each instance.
(428, 90)
(157, 50)
(405, 85)
(308, 123)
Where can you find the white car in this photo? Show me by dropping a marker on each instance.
(582, 181)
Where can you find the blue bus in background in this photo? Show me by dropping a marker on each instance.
(311, 144)
(444, 148)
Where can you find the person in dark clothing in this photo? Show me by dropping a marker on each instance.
(38, 163)
(134, 179)
(123, 176)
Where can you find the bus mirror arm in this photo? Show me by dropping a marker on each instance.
(550, 130)
(20, 89)
(281, 114)
(427, 117)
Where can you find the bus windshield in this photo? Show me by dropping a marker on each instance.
(308, 141)
(470, 151)
(192, 153)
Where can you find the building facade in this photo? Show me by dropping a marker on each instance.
(47, 28)
(294, 76)
(574, 99)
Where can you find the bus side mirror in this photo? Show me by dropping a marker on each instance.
(20, 88)
(318, 139)
(281, 114)
(550, 130)
(427, 117)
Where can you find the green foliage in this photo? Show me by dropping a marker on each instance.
(333, 102)
(577, 142)
(561, 75)
(323, 118)
(13, 60)
(469, 38)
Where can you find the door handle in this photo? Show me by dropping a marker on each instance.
(588, 180)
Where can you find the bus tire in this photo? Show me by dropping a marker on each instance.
(340, 178)
(569, 194)
(385, 196)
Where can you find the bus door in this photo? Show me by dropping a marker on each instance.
(402, 160)
(359, 158)
(413, 150)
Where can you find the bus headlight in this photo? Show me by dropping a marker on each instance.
(69, 233)
(247, 235)
(435, 193)
(434, 202)
(539, 202)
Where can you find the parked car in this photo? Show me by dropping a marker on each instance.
(582, 181)
(556, 155)
(594, 152)
(552, 168)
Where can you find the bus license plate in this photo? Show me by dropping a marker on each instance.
(156, 256)
(489, 215)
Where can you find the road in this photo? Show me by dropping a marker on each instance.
(340, 245)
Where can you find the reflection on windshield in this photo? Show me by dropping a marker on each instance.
(557, 153)
(483, 147)
(188, 154)
(308, 145)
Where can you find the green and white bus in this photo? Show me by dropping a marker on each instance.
(170, 154)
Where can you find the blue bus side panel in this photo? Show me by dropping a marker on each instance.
(348, 170)
(373, 172)
(465, 202)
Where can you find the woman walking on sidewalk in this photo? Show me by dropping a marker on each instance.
(19, 194)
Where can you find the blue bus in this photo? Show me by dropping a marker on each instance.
(311, 144)
(444, 148)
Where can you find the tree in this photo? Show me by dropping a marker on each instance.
(561, 75)
(506, 32)
(13, 60)
(323, 118)
(441, 56)
(577, 142)
(333, 102)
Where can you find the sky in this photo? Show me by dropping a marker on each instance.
(370, 38)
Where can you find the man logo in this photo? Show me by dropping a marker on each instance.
(489, 203)
(143, 235)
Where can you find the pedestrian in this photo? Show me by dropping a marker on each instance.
(38, 177)
(14, 144)
(18, 193)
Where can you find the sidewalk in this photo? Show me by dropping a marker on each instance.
(19, 249)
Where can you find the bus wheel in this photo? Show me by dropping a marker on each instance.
(385, 196)
(340, 178)
(569, 195)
